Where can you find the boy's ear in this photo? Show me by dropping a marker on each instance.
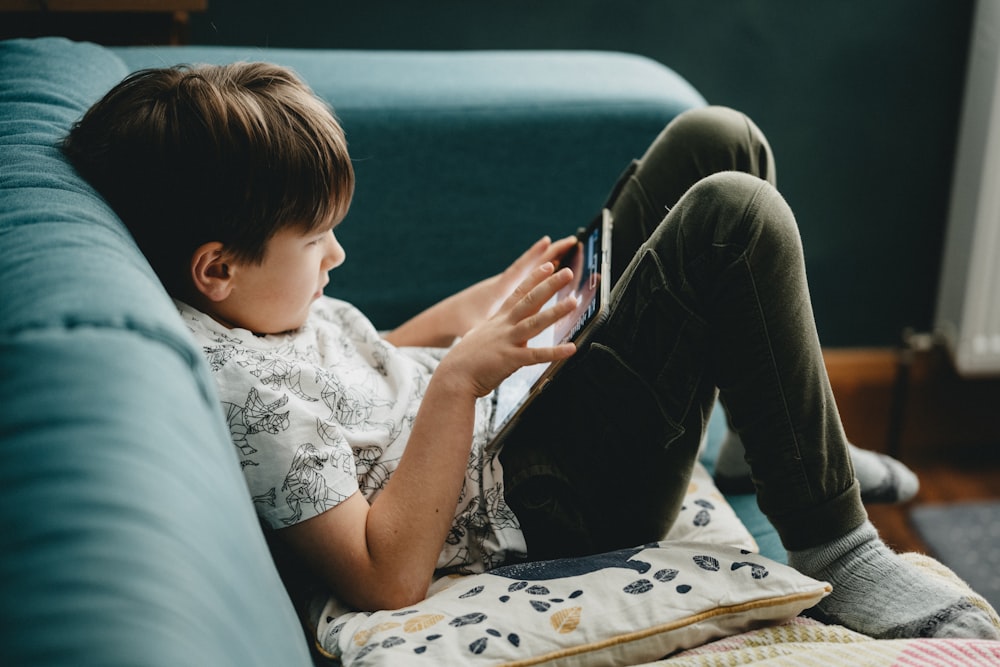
(211, 271)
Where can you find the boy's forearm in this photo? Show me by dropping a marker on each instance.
(449, 319)
(429, 328)
(409, 521)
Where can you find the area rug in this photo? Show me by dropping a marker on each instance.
(965, 537)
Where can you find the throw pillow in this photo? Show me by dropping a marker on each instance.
(624, 607)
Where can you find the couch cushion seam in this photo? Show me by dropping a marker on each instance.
(169, 339)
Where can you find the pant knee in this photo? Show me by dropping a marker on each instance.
(738, 211)
(717, 138)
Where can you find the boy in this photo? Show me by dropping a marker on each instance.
(365, 453)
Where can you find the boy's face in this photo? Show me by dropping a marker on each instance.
(275, 296)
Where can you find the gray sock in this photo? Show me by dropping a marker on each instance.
(879, 594)
(883, 479)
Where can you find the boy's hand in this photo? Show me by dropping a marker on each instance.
(542, 251)
(499, 346)
(454, 317)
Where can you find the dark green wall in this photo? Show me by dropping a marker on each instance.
(860, 99)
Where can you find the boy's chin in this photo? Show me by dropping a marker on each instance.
(293, 326)
(283, 327)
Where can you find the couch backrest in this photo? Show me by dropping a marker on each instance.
(126, 535)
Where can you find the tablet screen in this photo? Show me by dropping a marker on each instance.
(585, 260)
(588, 258)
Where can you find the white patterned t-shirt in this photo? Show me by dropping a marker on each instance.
(325, 411)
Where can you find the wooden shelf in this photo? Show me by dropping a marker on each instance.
(125, 6)
(109, 22)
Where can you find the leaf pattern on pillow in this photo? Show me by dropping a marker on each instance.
(525, 611)
(567, 620)
(422, 622)
(707, 563)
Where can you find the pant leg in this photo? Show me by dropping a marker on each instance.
(766, 357)
(716, 297)
(695, 144)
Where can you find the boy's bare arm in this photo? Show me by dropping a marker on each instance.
(383, 555)
(453, 317)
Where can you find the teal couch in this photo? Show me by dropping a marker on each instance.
(126, 532)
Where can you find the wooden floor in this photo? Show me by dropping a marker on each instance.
(946, 428)
(941, 481)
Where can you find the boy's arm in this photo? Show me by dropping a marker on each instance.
(383, 555)
(451, 318)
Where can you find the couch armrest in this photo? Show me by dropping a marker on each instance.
(127, 533)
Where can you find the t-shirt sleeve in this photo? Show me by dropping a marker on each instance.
(295, 460)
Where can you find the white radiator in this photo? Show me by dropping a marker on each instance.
(968, 307)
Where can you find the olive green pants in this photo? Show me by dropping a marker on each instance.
(709, 300)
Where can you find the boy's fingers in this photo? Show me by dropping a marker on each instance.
(544, 318)
(540, 355)
(540, 286)
(536, 322)
(537, 249)
(524, 288)
(559, 248)
(536, 254)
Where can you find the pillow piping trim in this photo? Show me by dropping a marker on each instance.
(668, 627)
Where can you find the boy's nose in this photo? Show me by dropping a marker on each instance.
(335, 254)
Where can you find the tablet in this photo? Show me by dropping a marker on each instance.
(590, 260)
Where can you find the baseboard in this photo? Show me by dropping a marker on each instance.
(917, 403)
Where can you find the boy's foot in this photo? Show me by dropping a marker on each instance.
(883, 479)
(880, 594)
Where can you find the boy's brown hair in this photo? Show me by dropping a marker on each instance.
(232, 153)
